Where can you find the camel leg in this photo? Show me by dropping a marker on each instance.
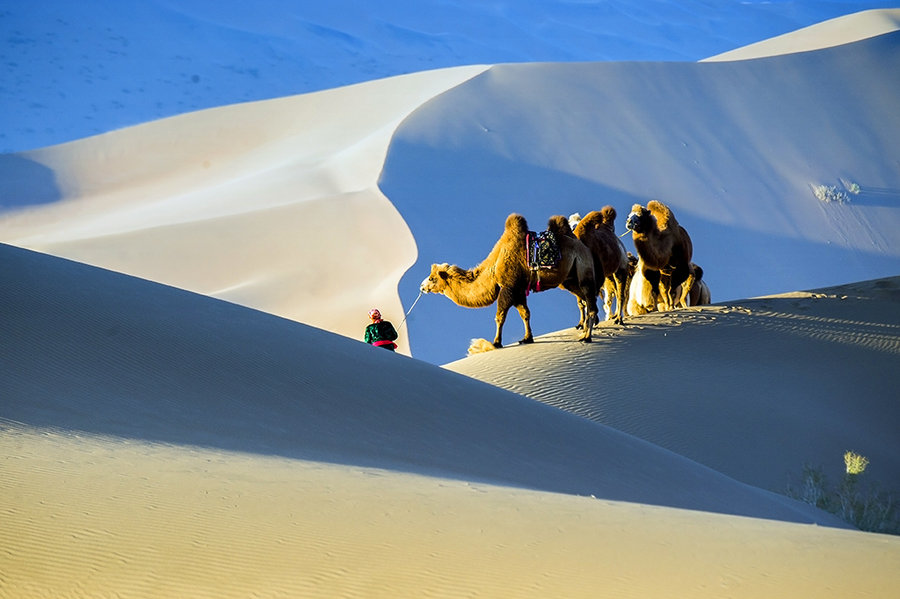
(504, 303)
(518, 299)
(525, 314)
(582, 313)
(591, 318)
(609, 292)
(688, 286)
(587, 293)
(619, 280)
(667, 290)
(654, 278)
(506, 300)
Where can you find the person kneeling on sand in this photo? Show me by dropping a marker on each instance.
(380, 333)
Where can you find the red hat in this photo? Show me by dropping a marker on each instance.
(374, 314)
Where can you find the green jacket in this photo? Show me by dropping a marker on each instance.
(381, 333)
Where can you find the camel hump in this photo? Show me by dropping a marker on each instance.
(698, 273)
(608, 215)
(516, 223)
(559, 225)
(664, 216)
(591, 221)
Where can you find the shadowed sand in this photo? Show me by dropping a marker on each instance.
(160, 443)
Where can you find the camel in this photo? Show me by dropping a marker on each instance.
(699, 294)
(505, 276)
(665, 250)
(597, 230)
(640, 294)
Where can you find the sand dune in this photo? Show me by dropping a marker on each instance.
(157, 442)
(756, 389)
(251, 203)
(246, 202)
(161, 443)
(834, 32)
(104, 354)
(735, 148)
(87, 516)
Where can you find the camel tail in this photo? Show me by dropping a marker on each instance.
(480, 346)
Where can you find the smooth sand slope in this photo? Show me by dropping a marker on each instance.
(834, 32)
(756, 389)
(159, 443)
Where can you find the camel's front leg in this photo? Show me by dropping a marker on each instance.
(507, 300)
(503, 306)
(686, 288)
(653, 278)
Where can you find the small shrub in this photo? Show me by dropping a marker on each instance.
(867, 508)
(855, 463)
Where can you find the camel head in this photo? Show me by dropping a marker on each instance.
(436, 282)
(640, 220)
(574, 219)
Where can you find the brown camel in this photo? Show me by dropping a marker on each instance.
(506, 277)
(597, 230)
(665, 250)
(699, 295)
(640, 294)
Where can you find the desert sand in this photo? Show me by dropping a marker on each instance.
(187, 410)
(161, 443)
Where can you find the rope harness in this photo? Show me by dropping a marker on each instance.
(410, 310)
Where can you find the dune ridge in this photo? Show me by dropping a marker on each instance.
(827, 34)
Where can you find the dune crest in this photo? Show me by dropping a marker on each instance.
(833, 32)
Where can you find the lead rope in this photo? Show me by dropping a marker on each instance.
(410, 310)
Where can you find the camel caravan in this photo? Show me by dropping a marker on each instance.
(585, 257)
